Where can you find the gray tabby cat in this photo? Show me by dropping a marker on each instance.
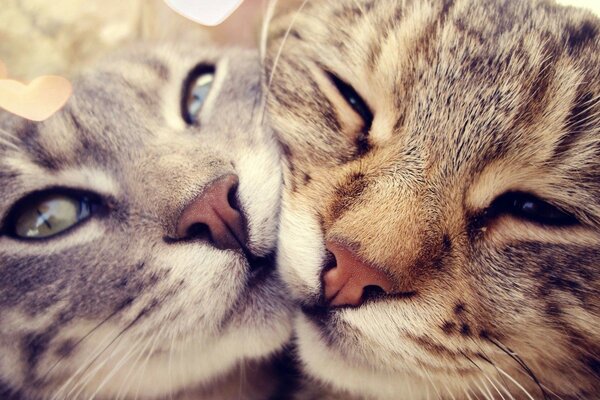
(138, 227)
(441, 210)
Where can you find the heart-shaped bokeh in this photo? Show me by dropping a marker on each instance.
(205, 12)
(38, 100)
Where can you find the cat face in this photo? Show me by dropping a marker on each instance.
(137, 248)
(441, 210)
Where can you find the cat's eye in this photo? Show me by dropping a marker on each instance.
(531, 208)
(354, 100)
(47, 214)
(196, 89)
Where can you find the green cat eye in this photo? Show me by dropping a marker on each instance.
(195, 91)
(48, 214)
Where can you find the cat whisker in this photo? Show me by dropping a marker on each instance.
(67, 385)
(485, 391)
(516, 383)
(494, 386)
(439, 395)
(264, 31)
(155, 340)
(78, 343)
(122, 390)
(519, 361)
(170, 364)
(502, 385)
(114, 340)
(117, 368)
(467, 392)
(552, 393)
(242, 379)
(280, 50)
(489, 360)
(92, 372)
(126, 384)
(449, 392)
(484, 375)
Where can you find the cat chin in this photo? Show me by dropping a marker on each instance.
(205, 365)
(194, 364)
(323, 362)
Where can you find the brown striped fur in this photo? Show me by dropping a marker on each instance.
(471, 99)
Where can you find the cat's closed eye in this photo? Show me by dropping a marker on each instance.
(45, 214)
(358, 129)
(531, 208)
(355, 101)
(196, 89)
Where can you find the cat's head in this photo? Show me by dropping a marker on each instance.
(441, 210)
(137, 231)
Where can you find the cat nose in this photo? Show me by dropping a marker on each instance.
(214, 216)
(351, 280)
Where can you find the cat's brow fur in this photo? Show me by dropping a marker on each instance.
(471, 99)
(115, 306)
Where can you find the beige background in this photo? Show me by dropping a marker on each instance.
(58, 36)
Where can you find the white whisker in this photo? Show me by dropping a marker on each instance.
(157, 335)
(449, 391)
(495, 387)
(84, 365)
(439, 395)
(91, 373)
(132, 369)
(170, 365)
(116, 368)
(264, 31)
(504, 389)
(516, 383)
(280, 50)
(466, 390)
(485, 391)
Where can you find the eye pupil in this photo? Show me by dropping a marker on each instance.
(43, 215)
(196, 89)
(529, 207)
(354, 99)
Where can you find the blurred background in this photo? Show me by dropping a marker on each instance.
(39, 37)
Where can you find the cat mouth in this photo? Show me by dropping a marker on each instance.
(260, 267)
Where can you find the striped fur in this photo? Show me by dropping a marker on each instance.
(112, 308)
(471, 99)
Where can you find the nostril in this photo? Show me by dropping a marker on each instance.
(232, 198)
(371, 292)
(350, 280)
(329, 261)
(199, 231)
(215, 215)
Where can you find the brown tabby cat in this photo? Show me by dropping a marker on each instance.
(441, 220)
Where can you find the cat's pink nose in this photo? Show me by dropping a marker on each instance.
(214, 216)
(351, 280)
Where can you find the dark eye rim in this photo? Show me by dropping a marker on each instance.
(360, 106)
(186, 88)
(8, 226)
(506, 204)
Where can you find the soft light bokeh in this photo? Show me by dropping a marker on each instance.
(39, 37)
(593, 5)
